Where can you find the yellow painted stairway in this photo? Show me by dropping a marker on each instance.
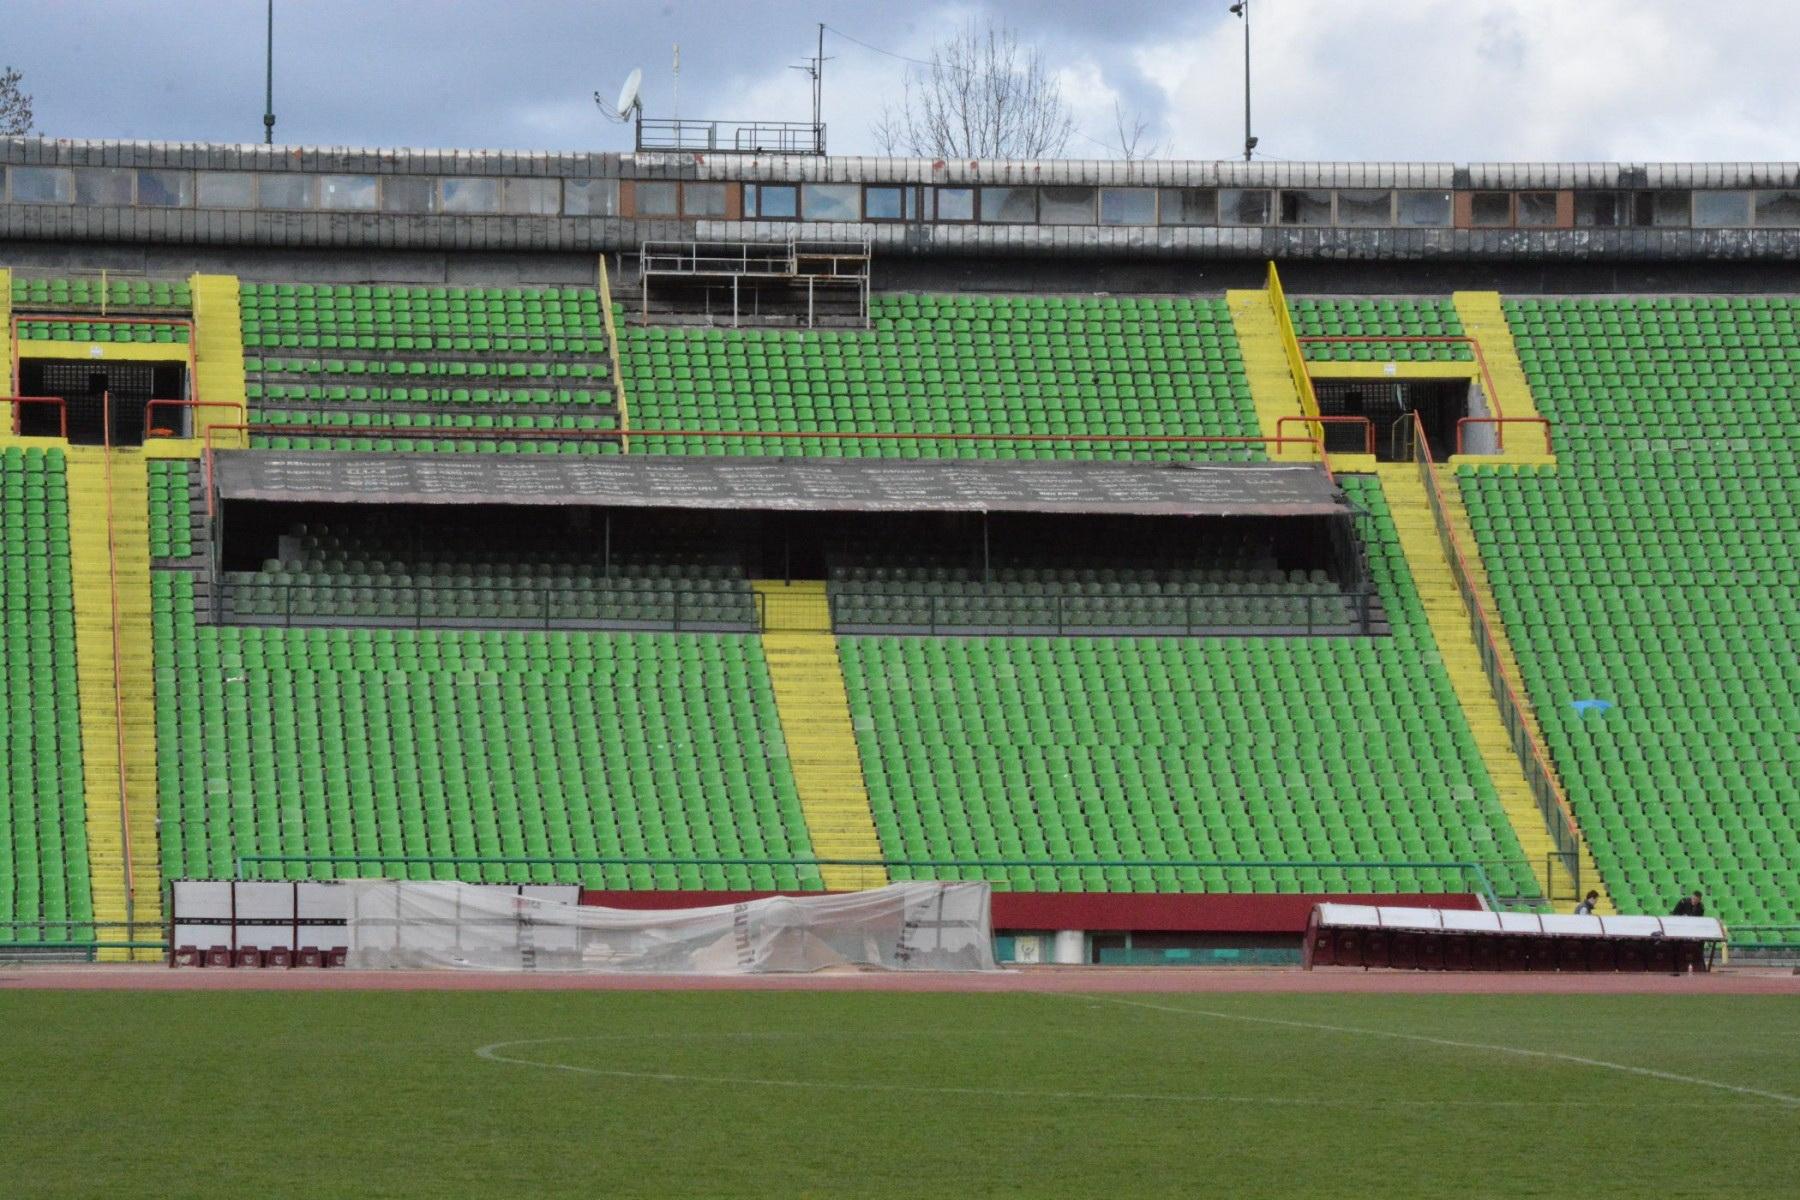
(1450, 628)
(218, 355)
(1509, 662)
(1268, 368)
(1484, 319)
(6, 384)
(815, 722)
(92, 564)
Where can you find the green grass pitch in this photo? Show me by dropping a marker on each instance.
(592, 1094)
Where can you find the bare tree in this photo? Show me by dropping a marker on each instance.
(982, 95)
(15, 105)
(1134, 140)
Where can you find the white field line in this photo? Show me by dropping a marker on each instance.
(1451, 1043)
(495, 1052)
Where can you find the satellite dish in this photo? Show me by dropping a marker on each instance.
(628, 95)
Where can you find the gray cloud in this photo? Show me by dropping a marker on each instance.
(1463, 79)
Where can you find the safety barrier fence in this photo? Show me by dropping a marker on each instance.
(662, 873)
(1763, 945)
(1553, 806)
(602, 605)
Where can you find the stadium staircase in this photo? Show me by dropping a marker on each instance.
(1449, 621)
(1509, 662)
(218, 354)
(6, 410)
(1273, 389)
(1484, 320)
(815, 722)
(110, 562)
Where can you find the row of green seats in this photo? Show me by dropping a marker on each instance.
(102, 331)
(460, 445)
(478, 745)
(1265, 750)
(44, 881)
(1651, 571)
(1108, 367)
(1431, 317)
(80, 293)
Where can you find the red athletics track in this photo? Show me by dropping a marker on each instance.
(1343, 980)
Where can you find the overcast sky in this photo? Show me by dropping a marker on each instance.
(1460, 80)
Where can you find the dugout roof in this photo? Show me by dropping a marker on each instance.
(1193, 489)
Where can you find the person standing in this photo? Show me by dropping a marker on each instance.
(1587, 905)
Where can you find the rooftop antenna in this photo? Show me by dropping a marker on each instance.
(677, 83)
(815, 70)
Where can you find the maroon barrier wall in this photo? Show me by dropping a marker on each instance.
(1118, 912)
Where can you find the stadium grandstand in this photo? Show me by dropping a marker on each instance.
(1169, 544)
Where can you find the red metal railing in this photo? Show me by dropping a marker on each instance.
(1346, 419)
(1500, 424)
(62, 410)
(1553, 805)
(1170, 441)
(150, 431)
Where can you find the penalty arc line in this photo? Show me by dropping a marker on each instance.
(1519, 1051)
(492, 1053)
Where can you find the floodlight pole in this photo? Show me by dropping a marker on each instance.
(1241, 9)
(269, 78)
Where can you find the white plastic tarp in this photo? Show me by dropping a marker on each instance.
(902, 927)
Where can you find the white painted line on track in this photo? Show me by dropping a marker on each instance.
(1519, 1051)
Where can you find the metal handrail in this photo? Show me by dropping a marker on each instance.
(743, 137)
(612, 354)
(1500, 424)
(1553, 805)
(1477, 871)
(150, 431)
(62, 408)
(1345, 419)
(671, 606)
(951, 611)
(17, 942)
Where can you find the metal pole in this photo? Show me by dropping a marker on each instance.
(1249, 141)
(269, 79)
(1241, 9)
